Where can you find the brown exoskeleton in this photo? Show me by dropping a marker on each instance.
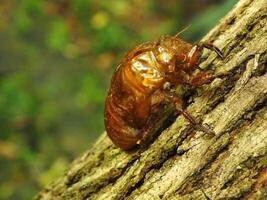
(137, 87)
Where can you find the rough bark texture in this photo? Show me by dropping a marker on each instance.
(182, 163)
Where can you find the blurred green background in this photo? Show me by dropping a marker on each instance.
(56, 61)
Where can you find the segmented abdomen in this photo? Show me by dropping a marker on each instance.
(119, 108)
(127, 106)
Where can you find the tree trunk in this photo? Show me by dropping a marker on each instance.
(182, 163)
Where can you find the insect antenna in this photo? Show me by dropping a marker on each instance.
(183, 30)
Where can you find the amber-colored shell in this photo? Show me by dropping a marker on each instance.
(144, 70)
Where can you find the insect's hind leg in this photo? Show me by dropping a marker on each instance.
(192, 120)
(148, 131)
(153, 125)
(156, 120)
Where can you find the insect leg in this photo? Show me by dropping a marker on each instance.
(147, 133)
(192, 120)
(202, 78)
(149, 130)
(211, 47)
(206, 77)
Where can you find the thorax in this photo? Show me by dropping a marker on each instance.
(146, 69)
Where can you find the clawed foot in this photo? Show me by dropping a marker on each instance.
(204, 127)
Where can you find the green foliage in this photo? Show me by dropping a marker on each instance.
(202, 23)
(56, 61)
(24, 14)
(80, 8)
(91, 91)
(58, 35)
(113, 38)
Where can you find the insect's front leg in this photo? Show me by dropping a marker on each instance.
(211, 47)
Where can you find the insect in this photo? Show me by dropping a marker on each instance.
(137, 89)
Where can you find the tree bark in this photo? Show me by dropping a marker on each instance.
(183, 163)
